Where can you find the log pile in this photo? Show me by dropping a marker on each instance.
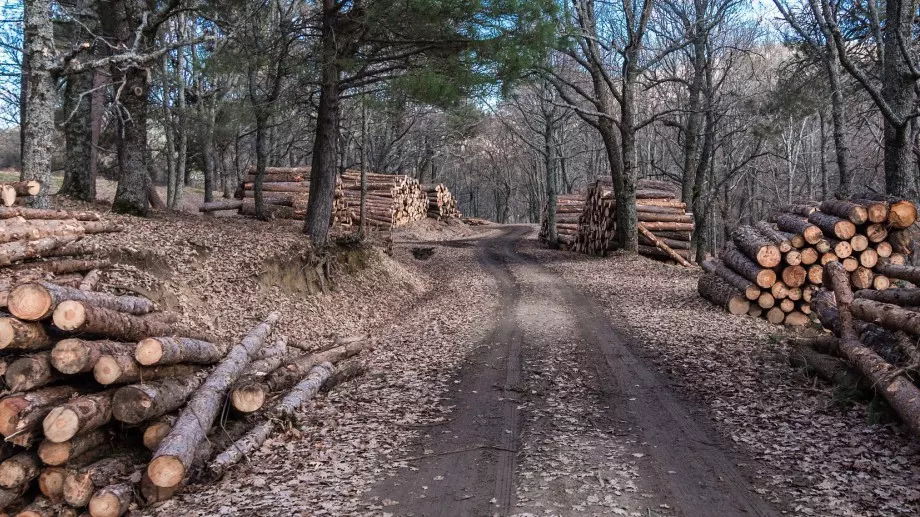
(108, 402)
(441, 203)
(871, 350)
(392, 199)
(50, 245)
(285, 191)
(569, 209)
(774, 269)
(18, 192)
(665, 225)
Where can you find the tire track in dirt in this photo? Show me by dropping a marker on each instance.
(467, 465)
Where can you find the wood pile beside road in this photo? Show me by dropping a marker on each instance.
(569, 209)
(108, 402)
(774, 269)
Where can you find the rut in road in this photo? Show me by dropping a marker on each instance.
(467, 465)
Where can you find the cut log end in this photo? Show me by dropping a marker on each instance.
(250, 398)
(61, 424)
(52, 453)
(112, 501)
(166, 471)
(69, 356)
(769, 256)
(766, 278)
(149, 351)
(155, 433)
(30, 302)
(69, 315)
(107, 370)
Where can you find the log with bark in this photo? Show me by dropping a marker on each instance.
(72, 356)
(713, 288)
(141, 402)
(898, 390)
(169, 350)
(36, 301)
(173, 459)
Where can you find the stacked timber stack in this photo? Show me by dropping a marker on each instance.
(665, 227)
(110, 403)
(50, 245)
(392, 199)
(18, 192)
(569, 208)
(872, 350)
(441, 203)
(775, 269)
(285, 191)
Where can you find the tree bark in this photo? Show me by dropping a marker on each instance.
(756, 246)
(24, 412)
(122, 369)
(111, 501)
(796, 224)
(290, 374)
(80, 415)
(16, 251)
(722, 294)
(304, 390)
(30, 372)
(750, 289)
(19, 470)
(38, 300)
(59, 453)
(140, 402)
(744, 266)
(79, 486)
(174, 458)
(38, 123)
(77, 317)
(72, 356)
(23, 335)
(169, 350)
(79, 178)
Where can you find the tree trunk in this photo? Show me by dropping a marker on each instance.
(38, 123)
(78, 317)
(901, 272)
(248, 394)
(793, 223)
(79, 181)
(756, 246)
(140, 402)
(323, 172)
(132, 104)
(168, 350)
(242, 448)
(290, 374)
(173, 460)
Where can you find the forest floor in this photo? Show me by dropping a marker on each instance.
(508, 379)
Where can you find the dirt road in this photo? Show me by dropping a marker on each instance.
(555, 414)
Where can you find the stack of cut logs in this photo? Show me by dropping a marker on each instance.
(18, 192)
(110, 403)
(569, 209)
(51, 245)
(441, 203)
(774, 270)
(872, 351)
(392, 199)
(285, 191)
(664, 226)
